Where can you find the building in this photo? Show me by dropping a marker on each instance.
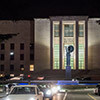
(42, 42)
(16, 54)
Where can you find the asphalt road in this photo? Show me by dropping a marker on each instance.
(82, 95)
(77, 95)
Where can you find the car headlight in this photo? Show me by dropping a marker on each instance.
(48, 92)
(58, 87)
(54, 90)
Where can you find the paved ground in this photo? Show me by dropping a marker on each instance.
(82, 95)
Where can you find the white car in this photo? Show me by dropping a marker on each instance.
(96, 90)
(24, 92)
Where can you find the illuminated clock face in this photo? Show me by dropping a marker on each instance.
(70, 48)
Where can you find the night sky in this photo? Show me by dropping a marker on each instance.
(29, 9)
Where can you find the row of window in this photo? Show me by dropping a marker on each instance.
(12, 46)
(12, 68)
(80, 60)
(69, 30)
(2, 56)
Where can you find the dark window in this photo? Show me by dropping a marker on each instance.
(11, 67)
(31, 46)
(22, 46)
(2, 46)
(2, 67)
(12, 46)
(21, 67)
(11, 57)
(2, 57)
(31, 57)
(21, 56)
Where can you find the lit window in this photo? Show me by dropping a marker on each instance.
(56, 30)
(68, 30)
(81, 29)
(81, 56)
(31, 67)
(56, 56)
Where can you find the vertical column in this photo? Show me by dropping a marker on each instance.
(51, 45)
(61, 45)
(76, 44)
(86, 45)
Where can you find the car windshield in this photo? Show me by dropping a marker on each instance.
(23, 90)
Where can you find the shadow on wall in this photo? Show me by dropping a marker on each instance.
(41, 57)
(94, 56)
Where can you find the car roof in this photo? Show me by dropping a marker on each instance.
(25, 86)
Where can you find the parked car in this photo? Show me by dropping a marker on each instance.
(97, 90)
(24, 92)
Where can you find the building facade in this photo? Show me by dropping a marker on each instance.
(56, 34)
(41, 44)
(16, 54)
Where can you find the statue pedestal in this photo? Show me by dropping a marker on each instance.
(68, 72)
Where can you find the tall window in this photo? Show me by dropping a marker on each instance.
(2, 67)
(31, 56)
(11, 67)
(21, 56)
(81, 56)
(2, 46)
(11, 55)
(2, 57)
(56, 30)
(31, 67)
(56, 56)
(12, 46)
(81, 29)
(81, 46)
(68, 30)
(22, 46)
(31, 46)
